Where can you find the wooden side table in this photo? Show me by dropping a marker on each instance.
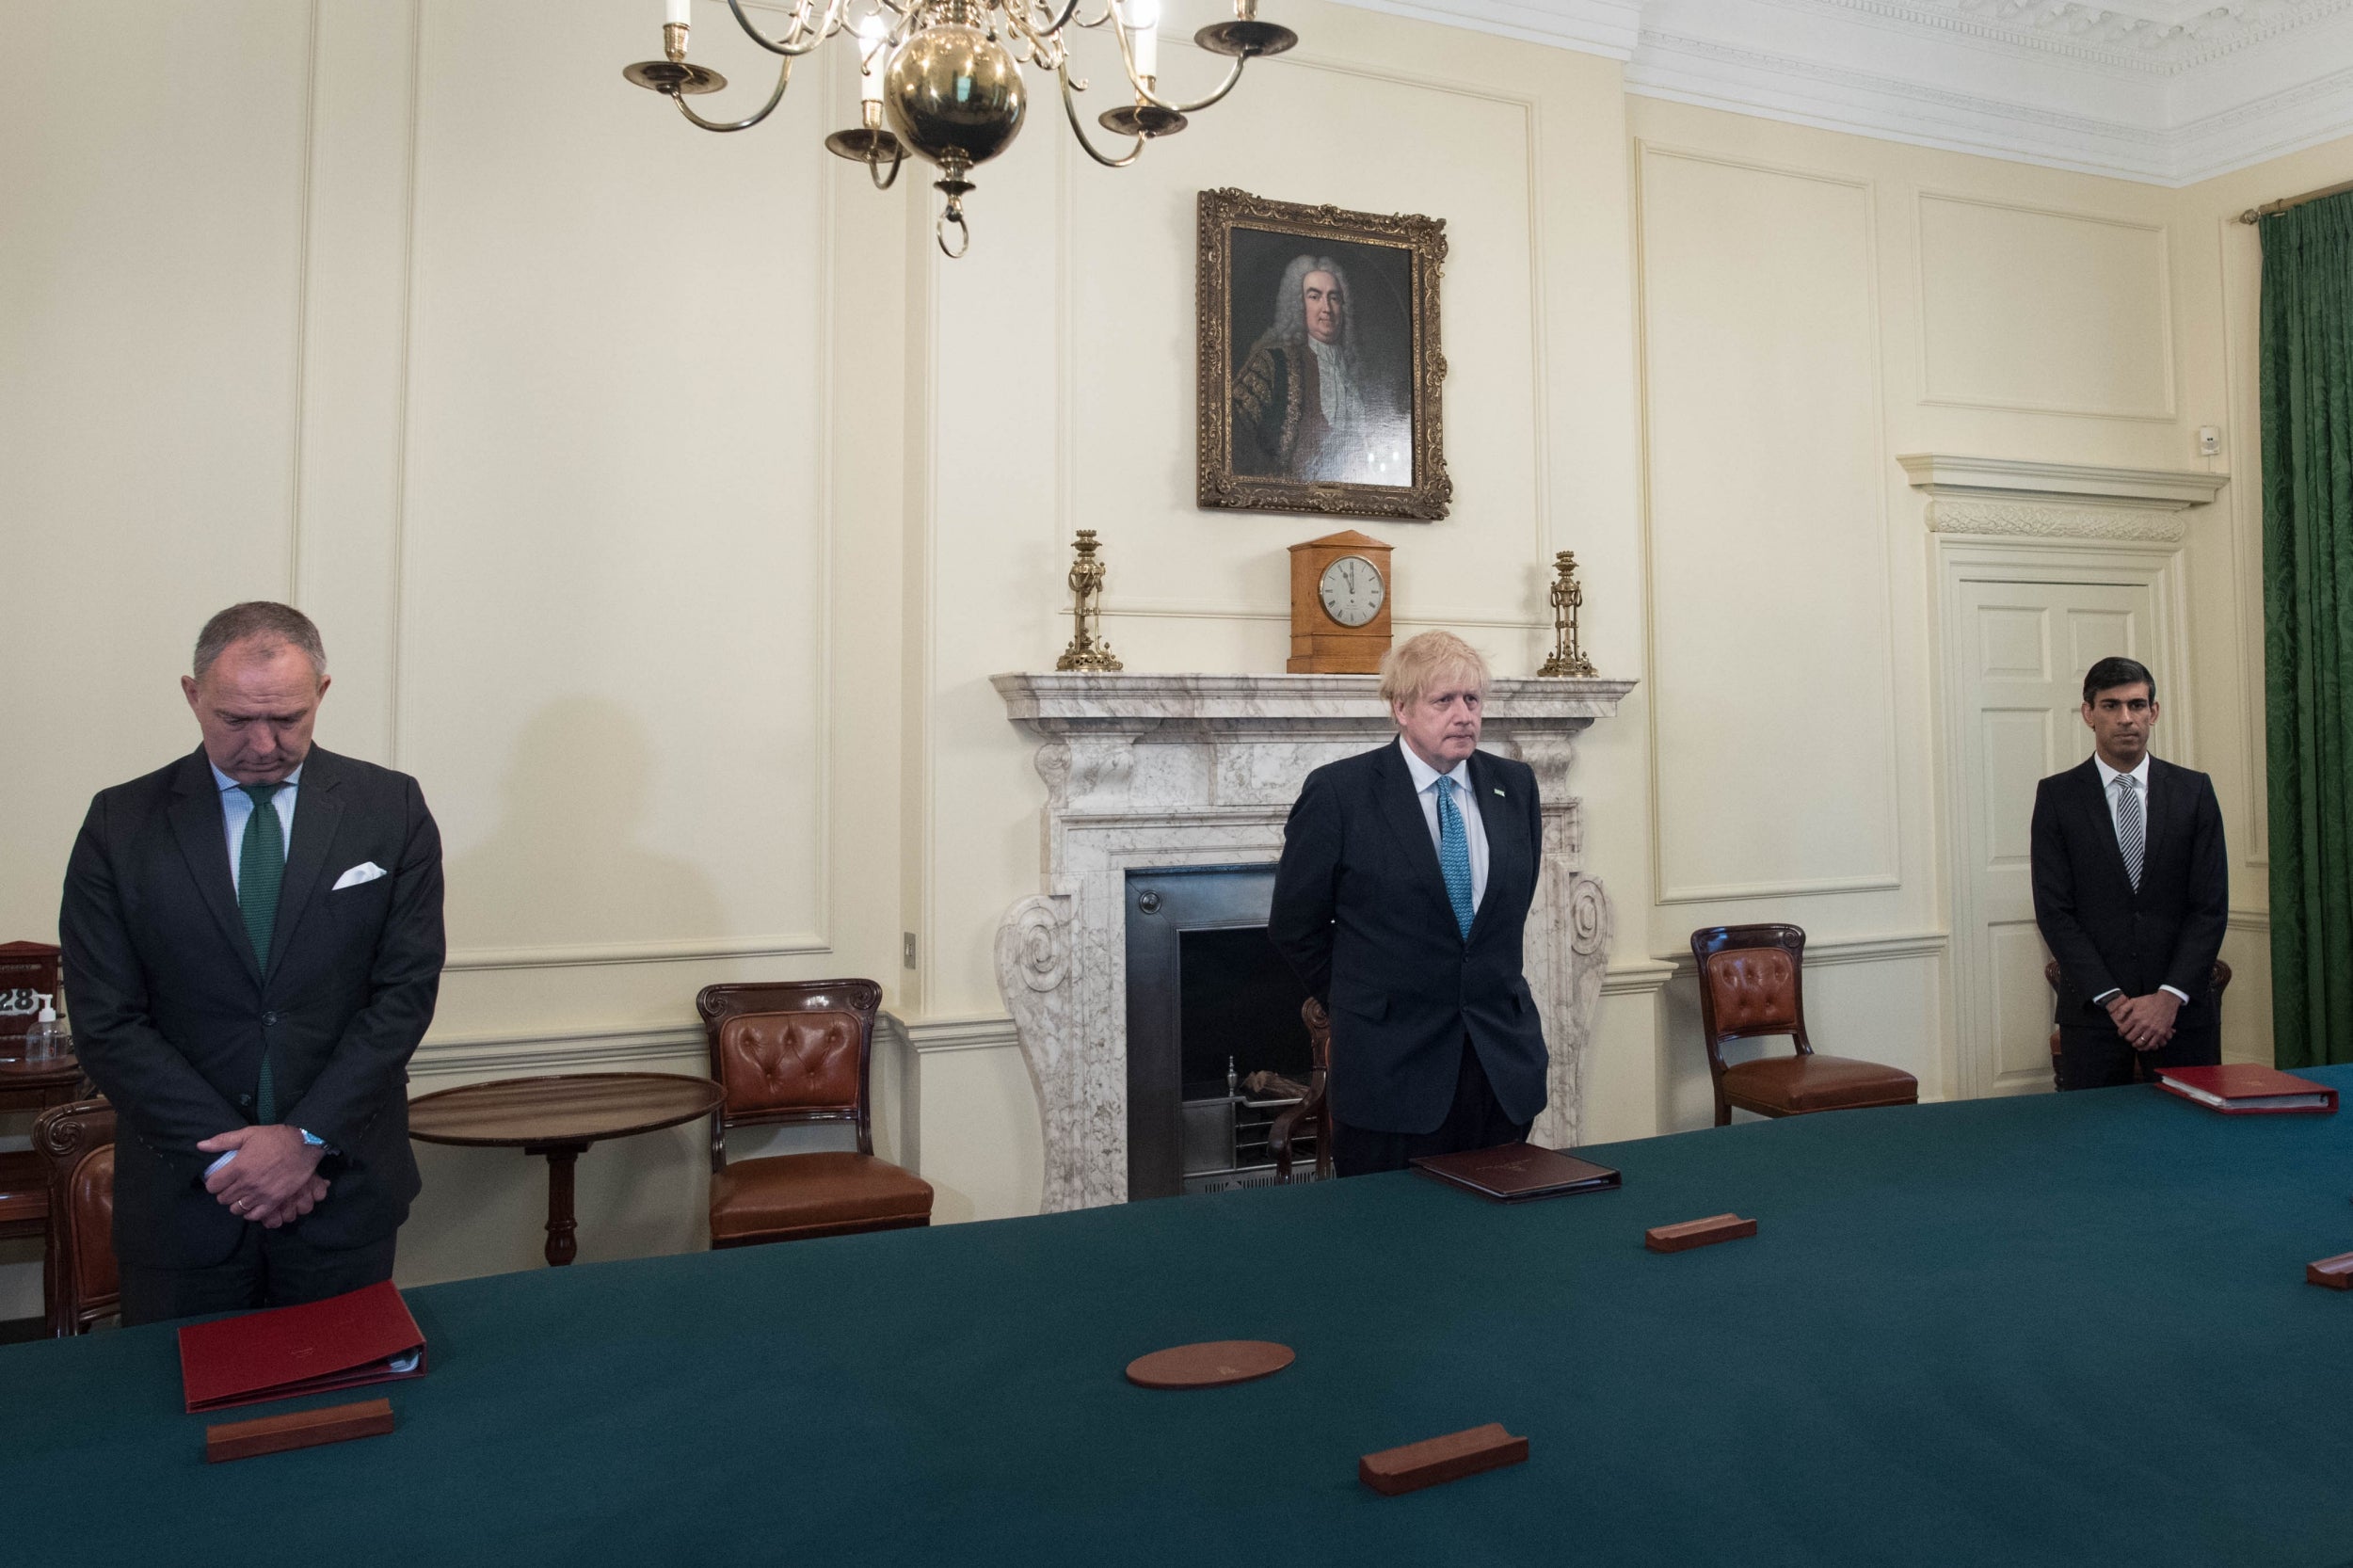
(559, 1117)
(24, 1185)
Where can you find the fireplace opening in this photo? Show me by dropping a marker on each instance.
(1237, 1011)
(1216, 1048)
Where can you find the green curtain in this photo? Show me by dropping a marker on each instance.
(2307, 393)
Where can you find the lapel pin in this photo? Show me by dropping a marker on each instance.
(1498, 790)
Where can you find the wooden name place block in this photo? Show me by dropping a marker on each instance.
(1698, 1233)
(1437, 1460)
(2335, 1272)
(1212, 1364)
(304, 1429)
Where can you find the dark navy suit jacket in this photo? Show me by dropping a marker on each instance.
(1361, 913)
(2105, 934)
(171, 1012)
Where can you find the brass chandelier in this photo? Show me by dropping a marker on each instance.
(947, 74)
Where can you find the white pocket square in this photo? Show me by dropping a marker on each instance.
(366, 870)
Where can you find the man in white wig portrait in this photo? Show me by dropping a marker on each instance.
(1304, 406)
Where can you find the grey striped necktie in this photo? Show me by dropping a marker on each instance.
(2131, 836)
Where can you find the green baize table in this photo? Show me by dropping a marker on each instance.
(2067, 1330)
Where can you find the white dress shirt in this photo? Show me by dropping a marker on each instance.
(2140, 776)
(236, 810)
(1474, 833)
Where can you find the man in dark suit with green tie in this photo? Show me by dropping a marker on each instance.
(252, 940)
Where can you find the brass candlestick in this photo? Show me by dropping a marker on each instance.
(1567, 597)
(1087, 650)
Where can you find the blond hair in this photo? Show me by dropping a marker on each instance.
(1415, 667)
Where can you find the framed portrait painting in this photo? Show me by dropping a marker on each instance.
(1320, 360)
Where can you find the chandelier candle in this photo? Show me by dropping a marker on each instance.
(946, 75)
(1141, 21)
(873, 33)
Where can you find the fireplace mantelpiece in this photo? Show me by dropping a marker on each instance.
(1197, 770)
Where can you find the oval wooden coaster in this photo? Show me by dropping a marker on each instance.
(1209, 1364)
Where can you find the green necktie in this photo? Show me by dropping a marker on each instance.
(261, 872)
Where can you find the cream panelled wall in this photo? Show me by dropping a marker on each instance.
(667, 502)
(545, 407)
(1812, 304)
(1078, 300)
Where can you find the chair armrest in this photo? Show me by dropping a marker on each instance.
(1313, 1111)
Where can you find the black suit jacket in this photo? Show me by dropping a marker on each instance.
(171, 1012)
(2103, 934)
(1361, 913)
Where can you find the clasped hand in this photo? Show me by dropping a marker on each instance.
(2146, 1022)
(273, 1180)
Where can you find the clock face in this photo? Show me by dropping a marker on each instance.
(1351, 590)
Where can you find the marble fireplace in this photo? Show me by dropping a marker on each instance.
(1147, 771)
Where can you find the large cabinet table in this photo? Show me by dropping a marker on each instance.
(2065, 1330)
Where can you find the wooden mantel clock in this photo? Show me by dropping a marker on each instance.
(1341, 593)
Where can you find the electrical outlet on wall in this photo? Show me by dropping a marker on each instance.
(906, 949)
(2209, 440)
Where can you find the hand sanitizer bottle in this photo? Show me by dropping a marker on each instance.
(44, 1042)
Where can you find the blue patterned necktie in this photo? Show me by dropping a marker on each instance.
(1454, 856)
(2131, 835)
(261, 873)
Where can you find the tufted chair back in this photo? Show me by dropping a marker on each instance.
(790, 1051)
(791, 1061)
(1754, 990)
(76, 1145)
(1748, 984)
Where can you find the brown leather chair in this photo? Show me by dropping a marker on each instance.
(800, 1051)
(1315, 1111)
(1749, 985)
(75, 1144)
(2051, 973)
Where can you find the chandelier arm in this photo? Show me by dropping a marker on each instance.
(883, 181)
(797, 40)
(1070, 107)
(1232, 79)
(768, 108)
(1146, 95)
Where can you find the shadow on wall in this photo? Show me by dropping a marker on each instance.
(566, 865)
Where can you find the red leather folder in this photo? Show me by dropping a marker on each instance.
(2248, 1088)
(365, 1336)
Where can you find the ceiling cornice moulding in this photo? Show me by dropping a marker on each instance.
(1866, 101)
(1607, 27)
(2150, 38)
(2159, 91)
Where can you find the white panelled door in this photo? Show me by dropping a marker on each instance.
(2019, 651)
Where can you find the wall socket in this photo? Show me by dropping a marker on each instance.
(906, 949)
(2209, 440)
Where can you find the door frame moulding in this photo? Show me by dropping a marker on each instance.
(1951, 476)
(2084, 559)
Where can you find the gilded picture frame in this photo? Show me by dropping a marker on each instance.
(1320, 360)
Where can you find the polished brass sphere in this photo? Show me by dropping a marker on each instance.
(954, 96)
